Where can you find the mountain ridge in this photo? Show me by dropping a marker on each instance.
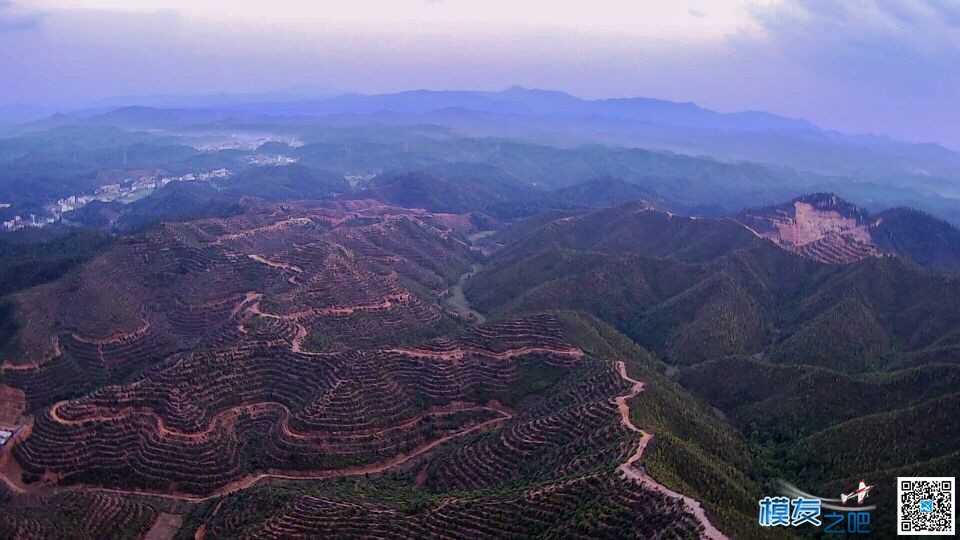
(826, 228)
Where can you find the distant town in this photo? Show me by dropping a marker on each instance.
(126, 191)
(261, 160)
(245, 141)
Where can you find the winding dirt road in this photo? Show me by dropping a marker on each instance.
(636, 472)
(631, 469)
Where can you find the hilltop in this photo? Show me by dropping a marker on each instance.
(300, 363)
(798, 354)
(828, 229)
(293, 363)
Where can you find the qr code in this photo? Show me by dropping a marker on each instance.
(925, 505)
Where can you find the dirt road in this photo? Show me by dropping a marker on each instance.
(631, 469)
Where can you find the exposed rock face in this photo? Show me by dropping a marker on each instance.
(821, 227)
(811, 223)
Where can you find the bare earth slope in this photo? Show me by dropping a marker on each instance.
(820, 227)
(828, 229)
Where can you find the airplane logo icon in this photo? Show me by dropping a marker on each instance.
(860, 493)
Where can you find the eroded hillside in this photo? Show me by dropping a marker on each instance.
(825, 228)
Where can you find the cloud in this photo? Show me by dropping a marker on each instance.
(872, 65)
(948, 9)
(14, 18)
(915, 30)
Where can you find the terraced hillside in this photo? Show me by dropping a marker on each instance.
(170, 330)
(825, 228)
(697, 289)
(531, 475)
(309, 367)
(76, 514)
(819, 365)
(231, 377)
(569, 461)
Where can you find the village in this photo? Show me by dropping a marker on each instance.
(126, 192)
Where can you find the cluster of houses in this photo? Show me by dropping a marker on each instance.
(20, 222)
(127, 191)
(262, 160)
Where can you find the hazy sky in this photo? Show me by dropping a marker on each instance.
(883, 66)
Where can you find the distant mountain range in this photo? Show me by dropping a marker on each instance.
(558, 118)
(449, 105)
(795, 156)
(528, 102)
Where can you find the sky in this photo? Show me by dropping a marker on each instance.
(857, 66)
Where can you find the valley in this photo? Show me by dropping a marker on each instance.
(293, 348)
(458, 301)
(226, 384)
(449, 270)
(487, 337)
(195, 369)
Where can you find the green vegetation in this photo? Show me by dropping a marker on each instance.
(826, 372)
(8, 323)
(923, 238)
(78, 514)
(290, 182)
(179, 201)
(692, 452)
(534, 378)
(758, 364)
(32, 257)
